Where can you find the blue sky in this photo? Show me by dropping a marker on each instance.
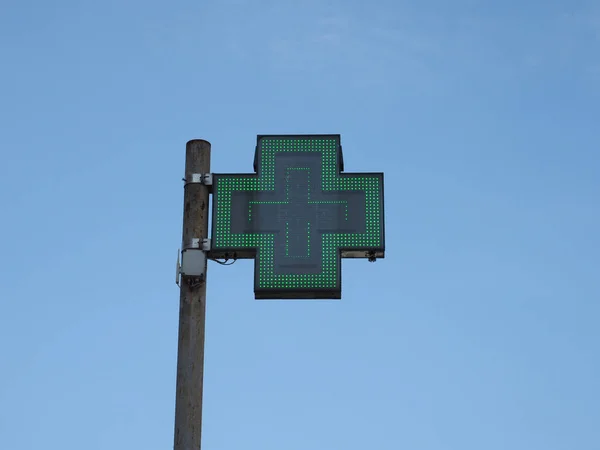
(477, 332)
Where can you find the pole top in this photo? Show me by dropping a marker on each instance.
(191, 141)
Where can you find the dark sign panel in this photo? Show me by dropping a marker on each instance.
(298, 215)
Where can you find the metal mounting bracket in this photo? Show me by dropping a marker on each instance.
(197, 244)
(200, 178)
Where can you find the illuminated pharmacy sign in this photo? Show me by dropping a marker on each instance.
(297, 216)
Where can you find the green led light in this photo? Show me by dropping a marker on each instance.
(330, 181)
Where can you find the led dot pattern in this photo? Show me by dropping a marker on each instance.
(338, 189)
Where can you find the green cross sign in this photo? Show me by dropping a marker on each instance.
(297, 216)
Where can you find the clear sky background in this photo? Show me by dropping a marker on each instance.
(479, 331)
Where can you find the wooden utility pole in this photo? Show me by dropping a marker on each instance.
(192, 300)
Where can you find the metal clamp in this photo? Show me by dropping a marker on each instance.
(200, 178)
(197, 244)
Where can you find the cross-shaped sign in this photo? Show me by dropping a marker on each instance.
(298, 215)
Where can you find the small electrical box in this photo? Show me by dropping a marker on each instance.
(193, 262)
